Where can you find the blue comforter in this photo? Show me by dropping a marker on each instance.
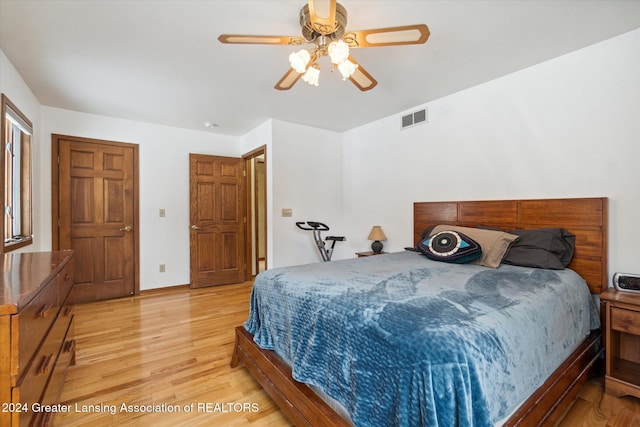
(398, 339)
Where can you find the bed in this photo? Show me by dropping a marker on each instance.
(586, 218)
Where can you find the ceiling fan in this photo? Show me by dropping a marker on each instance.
(323, 24)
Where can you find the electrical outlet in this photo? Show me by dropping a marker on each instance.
(161, 268)
(162, 213)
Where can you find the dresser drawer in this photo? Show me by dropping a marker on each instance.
(32, 386)
(34, 322)
(36, 330)
(624, 320)
(65, 282)
(54, 386)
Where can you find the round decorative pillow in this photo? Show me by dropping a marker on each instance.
(450, 246)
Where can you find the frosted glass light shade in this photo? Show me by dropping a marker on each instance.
(338, 52)
(299, 60)
(347, 68)
(312, 76)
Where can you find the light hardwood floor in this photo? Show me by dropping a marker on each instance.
(173, 348)
(169, 348)
(594, 408)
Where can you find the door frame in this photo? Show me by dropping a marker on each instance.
(250, 232)
(55, 193)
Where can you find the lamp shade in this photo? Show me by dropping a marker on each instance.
(312, 75)
(338, 52)
(347, 68)
(377, 233)
(299, 60)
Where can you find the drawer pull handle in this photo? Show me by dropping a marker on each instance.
(69, 346)
(67, 277)
(44, 369)
(68, 310)
(45, 311)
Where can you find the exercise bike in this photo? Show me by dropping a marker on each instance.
(317, 228)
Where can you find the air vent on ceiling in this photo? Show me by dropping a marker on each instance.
(414, 118)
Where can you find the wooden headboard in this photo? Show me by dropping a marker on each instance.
(584, 217)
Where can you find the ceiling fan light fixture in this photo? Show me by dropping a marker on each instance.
(299, 60)
(312, 76)
(338, 51)
(323, 24)
(347, 68)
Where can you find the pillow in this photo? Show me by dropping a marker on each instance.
(542, 248)
(494, 243)
(427, 232)
(450, 246)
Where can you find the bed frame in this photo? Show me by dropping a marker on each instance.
(584, 217)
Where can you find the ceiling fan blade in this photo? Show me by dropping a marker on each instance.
(288, 80)
(361, 78)
(248, 39)
(322, 14)
(392, 36)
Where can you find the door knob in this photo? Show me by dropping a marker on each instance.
(195, 227)
(127, 228)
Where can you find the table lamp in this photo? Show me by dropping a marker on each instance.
(376, 235)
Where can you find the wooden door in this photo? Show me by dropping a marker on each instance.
(217, 213)
(97, 205)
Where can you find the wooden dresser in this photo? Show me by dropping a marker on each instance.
(36, 335)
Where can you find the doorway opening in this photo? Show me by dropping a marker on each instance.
(256, 253)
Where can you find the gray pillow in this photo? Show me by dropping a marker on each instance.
(541, 248)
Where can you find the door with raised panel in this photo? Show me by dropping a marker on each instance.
(217, 216)
(97, 215)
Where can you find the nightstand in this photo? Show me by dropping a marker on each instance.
(622, 342)
(370, 253)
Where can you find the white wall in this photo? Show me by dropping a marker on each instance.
(164, 183)
(304, 173)
(306, 176)
(564, 128)
(569, 127)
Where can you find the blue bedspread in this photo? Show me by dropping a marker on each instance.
(398, 339)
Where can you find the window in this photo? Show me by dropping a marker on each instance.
(16, 170)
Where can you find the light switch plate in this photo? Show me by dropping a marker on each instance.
(286, 212)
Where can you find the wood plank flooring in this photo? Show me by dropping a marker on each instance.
(172, 349)
(594, 408)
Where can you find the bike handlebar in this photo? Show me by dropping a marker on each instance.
(312, 226)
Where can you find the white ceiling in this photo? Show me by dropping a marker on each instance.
(159, 61)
